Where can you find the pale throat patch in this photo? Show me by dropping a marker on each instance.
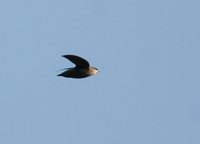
(93, 71)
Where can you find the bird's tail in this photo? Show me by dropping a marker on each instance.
(63, 69)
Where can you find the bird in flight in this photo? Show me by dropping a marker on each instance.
(81, 70)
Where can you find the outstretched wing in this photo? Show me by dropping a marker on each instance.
(78, 61)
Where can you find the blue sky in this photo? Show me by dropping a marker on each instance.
(147, 91)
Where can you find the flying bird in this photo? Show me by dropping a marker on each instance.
(81, 70)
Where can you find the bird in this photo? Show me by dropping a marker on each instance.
(82, 68)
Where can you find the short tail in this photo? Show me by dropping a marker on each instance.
(63, 69)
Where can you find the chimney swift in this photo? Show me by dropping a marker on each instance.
(81, 70)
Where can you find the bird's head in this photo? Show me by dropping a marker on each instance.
(93, 70)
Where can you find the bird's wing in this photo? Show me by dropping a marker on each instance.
(78, 61)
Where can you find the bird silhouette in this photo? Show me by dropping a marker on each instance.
(81, 70)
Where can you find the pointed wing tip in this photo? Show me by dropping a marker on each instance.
(64, 56)
(77, 60)
(69, 55)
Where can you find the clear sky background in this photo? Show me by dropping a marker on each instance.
(148, 88)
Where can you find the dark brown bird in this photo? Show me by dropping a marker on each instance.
(81, 70)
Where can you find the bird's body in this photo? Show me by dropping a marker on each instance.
(81, 70)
